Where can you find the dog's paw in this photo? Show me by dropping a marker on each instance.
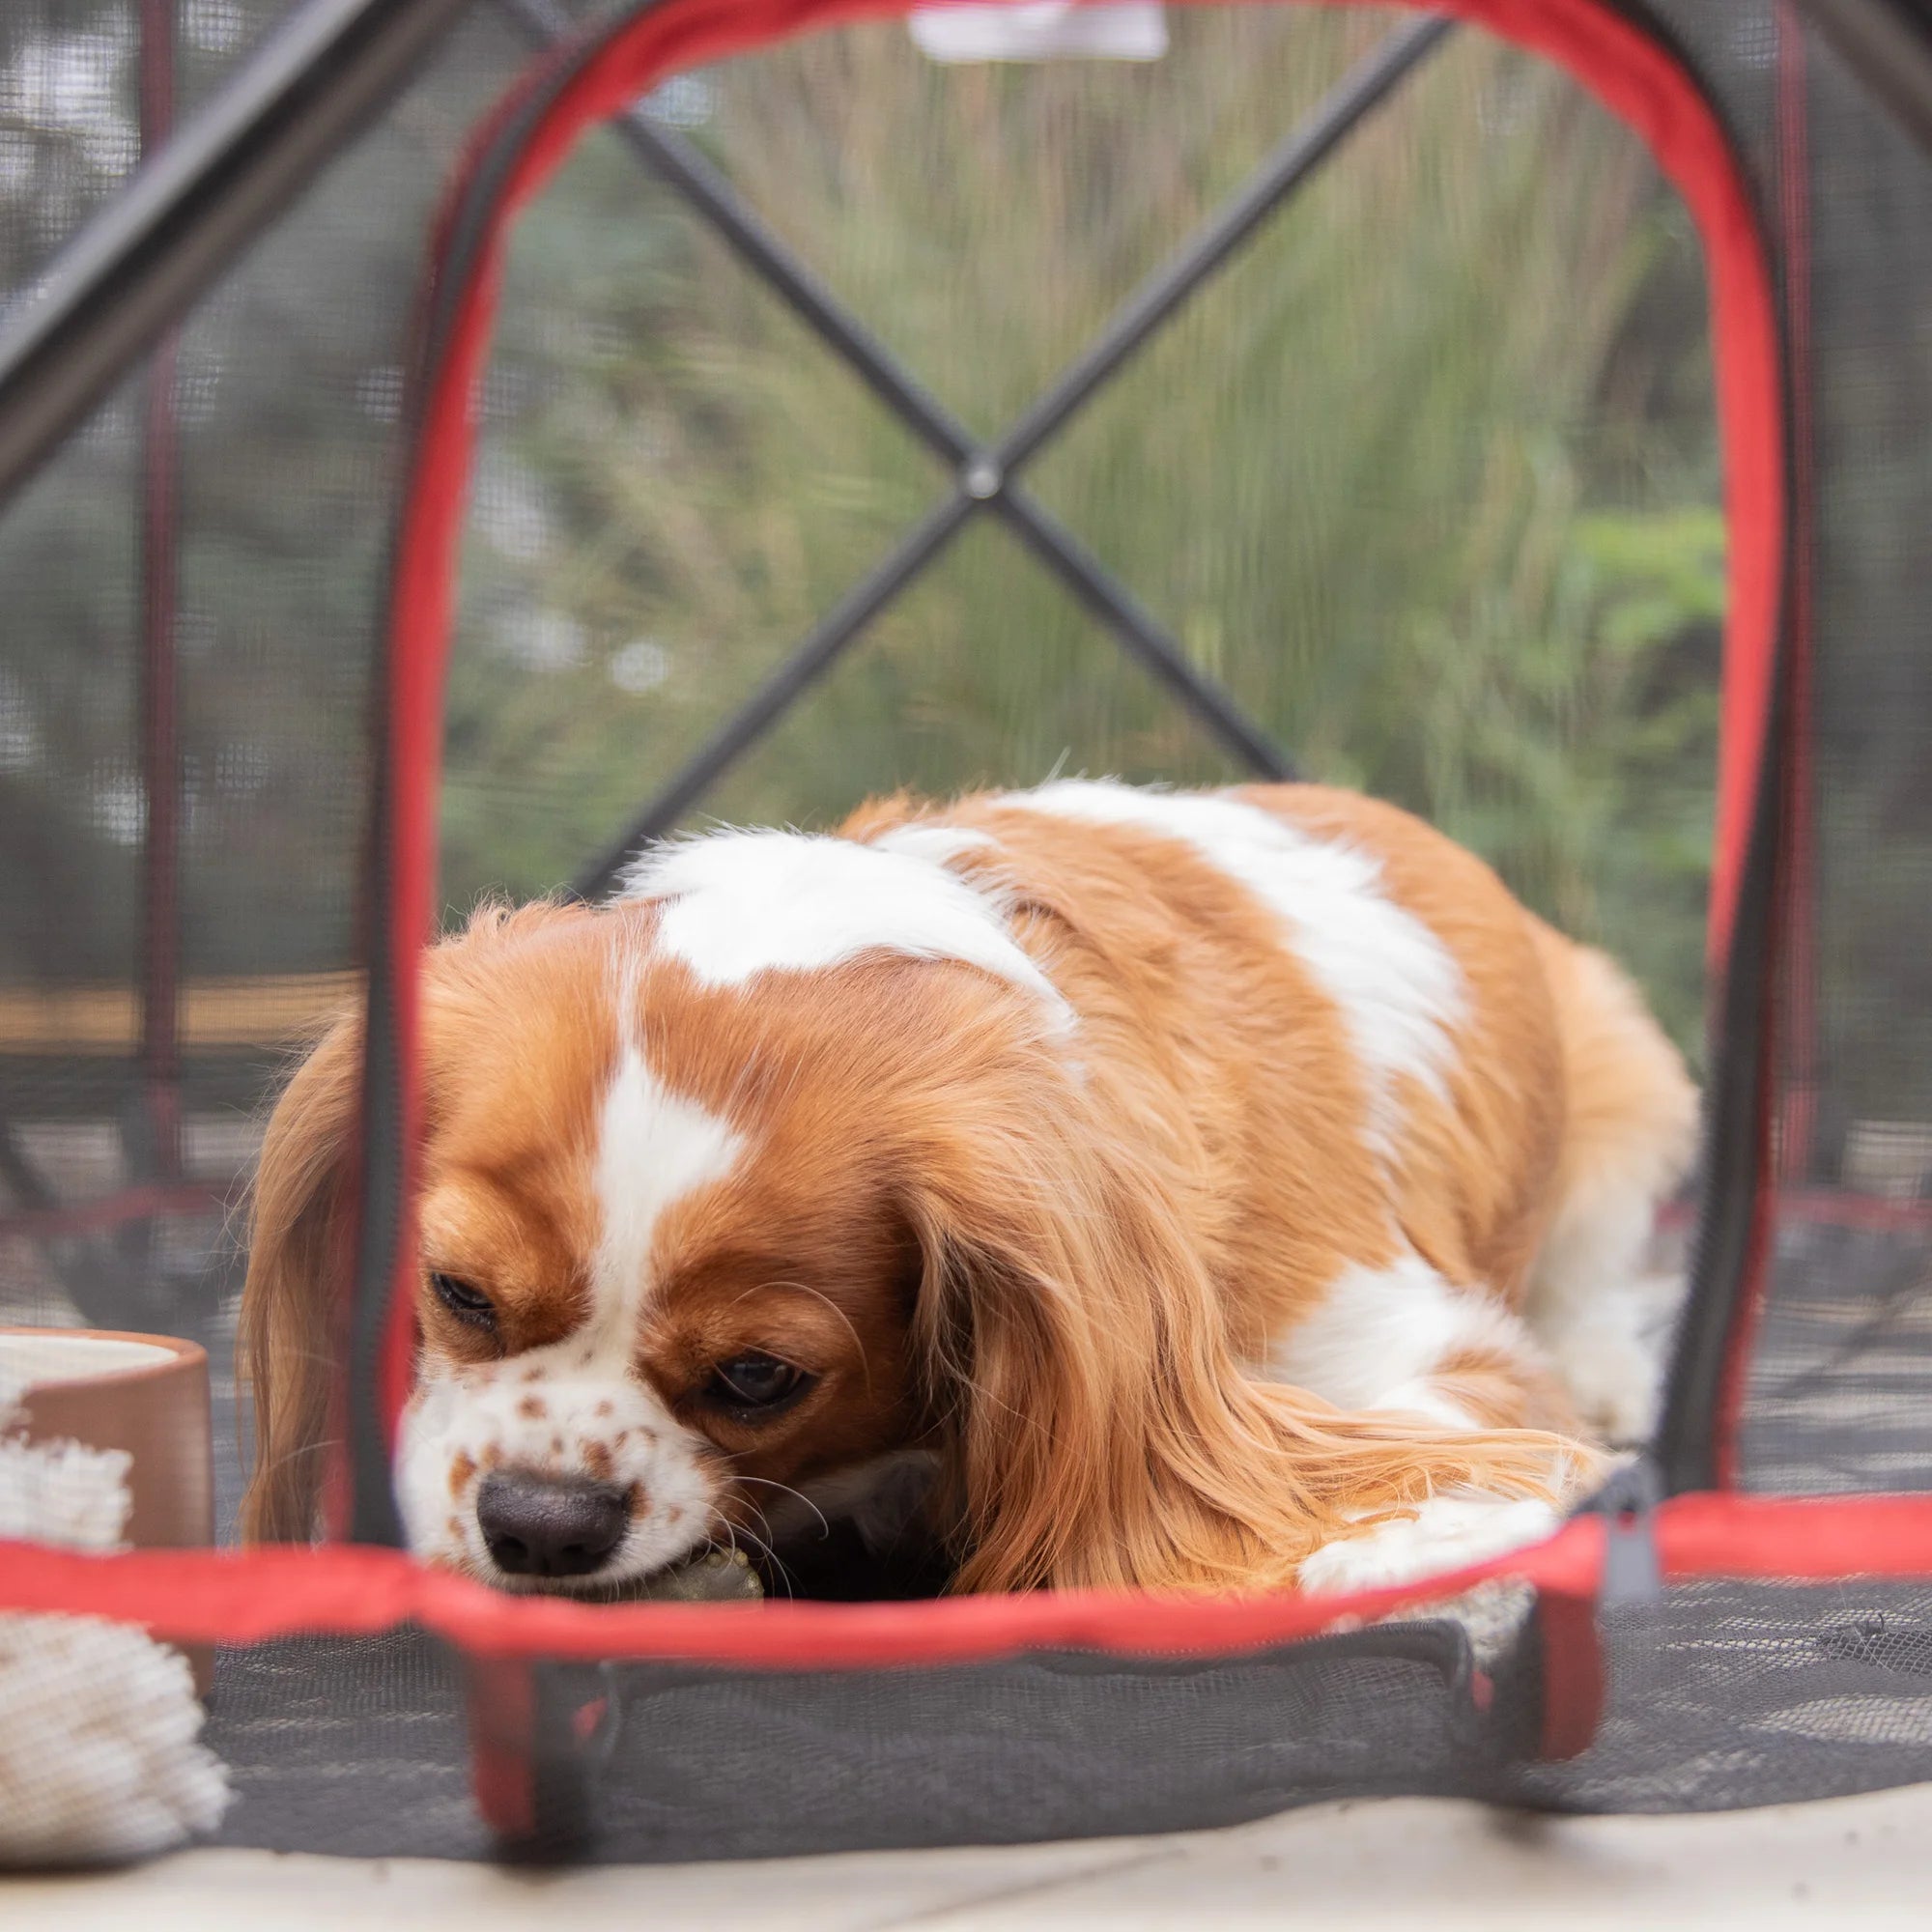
(1445, 1533)
(1614, 1357)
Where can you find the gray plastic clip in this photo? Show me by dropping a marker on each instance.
(1628, 1502)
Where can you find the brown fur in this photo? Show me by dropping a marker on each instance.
(1056, 1277)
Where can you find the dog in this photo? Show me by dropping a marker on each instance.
(1136, 1188)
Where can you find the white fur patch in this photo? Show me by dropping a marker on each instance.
(577, 1407)
(740, 903)
(653, 1148)
(1612, 1353)
(1607, 1320)
(936, 844)
(1379, 1334)
(1598, 1297)
(542, 1412)
(1445, 1533)
(1397, 986)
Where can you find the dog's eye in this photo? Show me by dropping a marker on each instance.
(467, 1304)
(754, 1381)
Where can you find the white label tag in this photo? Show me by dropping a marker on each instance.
(1132, 30)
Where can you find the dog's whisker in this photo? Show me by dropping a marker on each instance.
(765, 1482)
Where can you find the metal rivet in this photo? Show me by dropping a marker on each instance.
(981, 478)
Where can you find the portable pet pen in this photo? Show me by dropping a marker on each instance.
(241, 397)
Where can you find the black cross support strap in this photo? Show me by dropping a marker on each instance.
(984, 474)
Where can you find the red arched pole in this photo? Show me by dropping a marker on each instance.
(1637, 78)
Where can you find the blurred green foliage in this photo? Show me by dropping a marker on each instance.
(1427, 478)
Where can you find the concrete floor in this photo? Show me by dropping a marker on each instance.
(1856, 1861)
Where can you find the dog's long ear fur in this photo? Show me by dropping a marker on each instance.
(299, 1258)
(1097, 1429)
(295, 1285)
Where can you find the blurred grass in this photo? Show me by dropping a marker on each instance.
(1427, 477)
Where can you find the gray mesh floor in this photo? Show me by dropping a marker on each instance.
(1722, 1696)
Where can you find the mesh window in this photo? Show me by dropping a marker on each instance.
(1839, 1395)
(1428, 479)
(273, 502)
(1836, 1396)
(1514, 632)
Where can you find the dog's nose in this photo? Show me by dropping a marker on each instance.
(541, 1526)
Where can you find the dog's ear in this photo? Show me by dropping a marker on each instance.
(296, 1272)
(1096, 1427)
(299, 1260)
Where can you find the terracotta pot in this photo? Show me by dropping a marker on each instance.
(147, 1394)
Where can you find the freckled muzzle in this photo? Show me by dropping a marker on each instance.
(542, 1527)
(556, 1480)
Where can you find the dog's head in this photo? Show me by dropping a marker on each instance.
(730, 1192)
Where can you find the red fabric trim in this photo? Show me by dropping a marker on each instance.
(345, 1590)
(257, 1596)
(1870, 1213)
(1797, 941)
(502, 1701)
(1574, 1679)
(161, 767)
(1829, 1207)
(1633, 76)
(1753, 1276)
(148, 1202)
(1801, 1540)
(1786, 1096)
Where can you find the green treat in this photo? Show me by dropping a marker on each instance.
(718, 1576)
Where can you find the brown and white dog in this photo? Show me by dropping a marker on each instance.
(1153, 1188)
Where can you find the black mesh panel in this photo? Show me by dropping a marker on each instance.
(1428, 481)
